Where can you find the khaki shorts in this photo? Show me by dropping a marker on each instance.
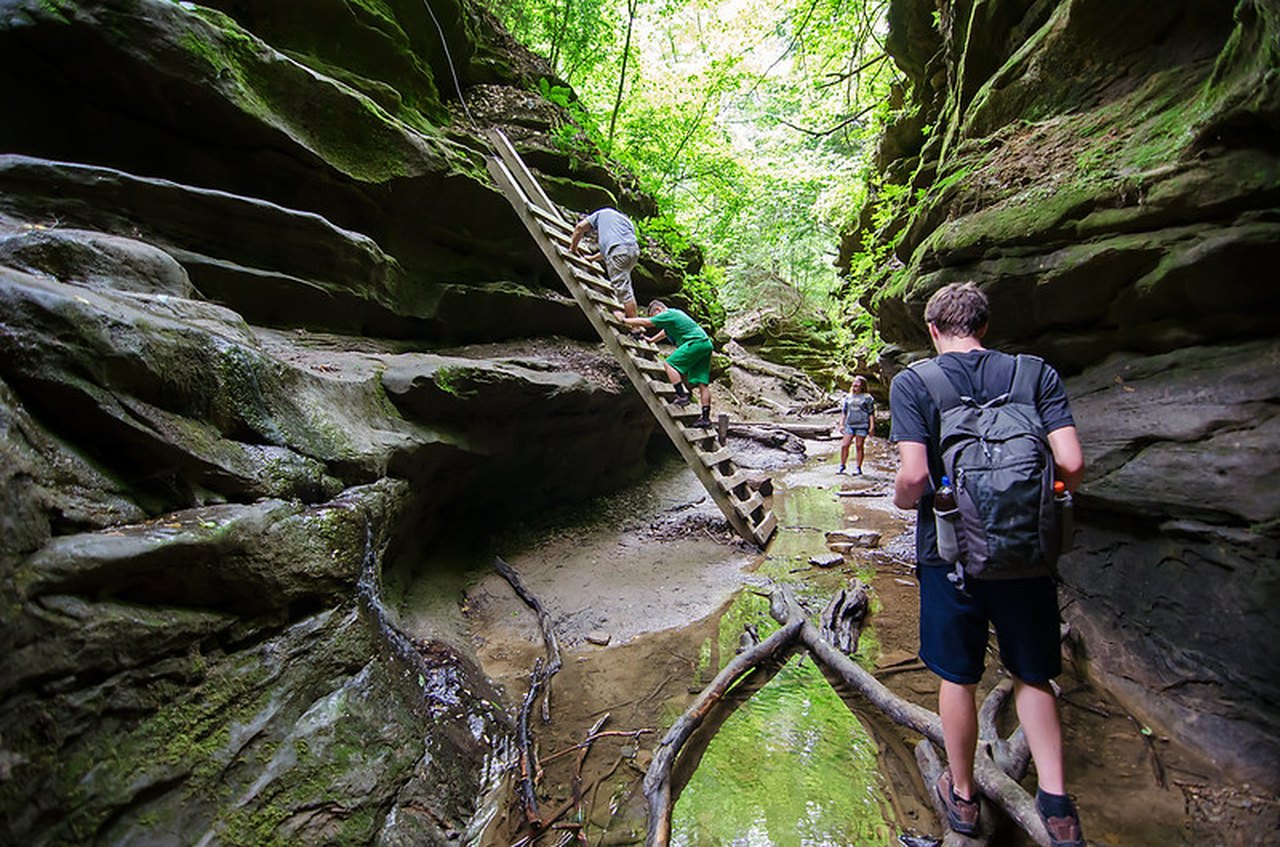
(618, 263)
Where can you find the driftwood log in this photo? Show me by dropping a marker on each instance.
(802, 430)
(842, 619)
(998, 764)
(769, 436)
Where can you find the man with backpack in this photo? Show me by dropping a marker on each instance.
(999, 428)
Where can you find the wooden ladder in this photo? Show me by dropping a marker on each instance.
(728, 486)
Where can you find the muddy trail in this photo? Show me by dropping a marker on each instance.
(650, 593)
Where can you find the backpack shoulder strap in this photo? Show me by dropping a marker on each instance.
(1026, 379)
(935, 379)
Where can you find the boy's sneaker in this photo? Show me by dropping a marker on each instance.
(841, 469)
(1063, 831)
(681, 400)
(962, 815)
(857, 471)
(703, 422)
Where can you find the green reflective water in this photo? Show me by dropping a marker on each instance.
(792, 765)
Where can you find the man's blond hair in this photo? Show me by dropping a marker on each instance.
(959, 310)
(656, 306)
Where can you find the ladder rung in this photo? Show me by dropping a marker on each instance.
(550, 220)
(580, 261)
(729, 483)
(661, 387)
(637, 344)
(595, 280)
(748, 506)
(603, 300)
(556, 233)
(765, 528)
(713, 459)
(681, 412)
(695, 434)
(650, 366)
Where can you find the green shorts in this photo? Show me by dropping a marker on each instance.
(693, 360)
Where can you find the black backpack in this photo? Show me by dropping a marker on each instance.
(1001, 468)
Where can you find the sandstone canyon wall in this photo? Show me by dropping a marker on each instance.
(265, 327)
(1110, 174)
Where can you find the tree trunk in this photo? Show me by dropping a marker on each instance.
(632, 7)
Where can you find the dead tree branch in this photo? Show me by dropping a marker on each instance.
(528, 757)
(931, 768)
(544, 621)
(998, 765)
(657, 781)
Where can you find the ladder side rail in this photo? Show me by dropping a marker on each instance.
(520, 172)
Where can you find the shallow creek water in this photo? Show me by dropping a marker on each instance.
(791, 764)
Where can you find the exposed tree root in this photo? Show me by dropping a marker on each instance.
(999, 763)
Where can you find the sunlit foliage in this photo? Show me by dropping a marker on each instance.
(752, 121)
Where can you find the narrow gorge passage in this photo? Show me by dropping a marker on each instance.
(269, 329)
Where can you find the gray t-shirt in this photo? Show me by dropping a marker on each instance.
(613, 229)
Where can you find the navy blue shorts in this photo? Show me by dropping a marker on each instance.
(953, 627)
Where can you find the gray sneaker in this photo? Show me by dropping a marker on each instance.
(681, 400)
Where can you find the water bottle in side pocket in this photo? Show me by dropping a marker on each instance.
(945, 517)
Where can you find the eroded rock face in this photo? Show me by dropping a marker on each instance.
(1111, 177)
(265, 328)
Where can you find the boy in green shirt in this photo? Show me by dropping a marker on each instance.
(690, 362)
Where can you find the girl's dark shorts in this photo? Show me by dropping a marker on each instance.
(953, 627)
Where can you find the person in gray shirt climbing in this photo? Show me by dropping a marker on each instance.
(616, 237)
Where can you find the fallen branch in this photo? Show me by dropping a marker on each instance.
(798, 429)
(593, 735)
(700, 740)
(1012, 754)
(931, 768)
(528, 758)
(582, 757)
(768, 435)
(657, 780)
(544, 621)
(998, 762)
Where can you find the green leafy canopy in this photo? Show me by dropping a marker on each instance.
(751, 121)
